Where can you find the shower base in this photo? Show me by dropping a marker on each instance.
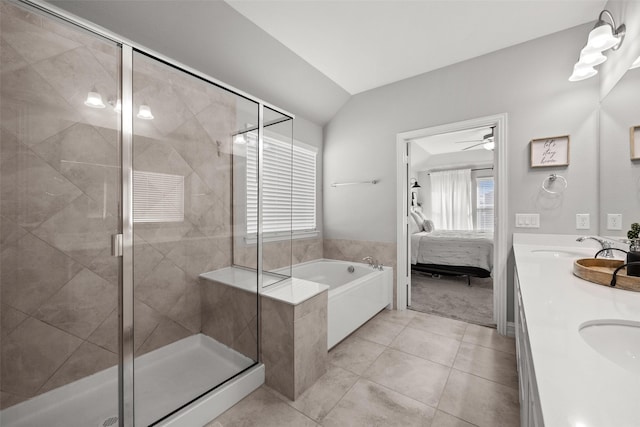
(165, 379)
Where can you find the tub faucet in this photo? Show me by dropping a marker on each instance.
(608, 253)
(373, 263)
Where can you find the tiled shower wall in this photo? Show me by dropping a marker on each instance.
(59, 191)
(58, 206)
(189, 137)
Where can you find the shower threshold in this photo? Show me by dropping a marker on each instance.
(165, 379)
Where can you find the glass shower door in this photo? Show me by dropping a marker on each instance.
(59, 207)
(191, 334)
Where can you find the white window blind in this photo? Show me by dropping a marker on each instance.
(289, 187)
(158, 197)
(484, 205)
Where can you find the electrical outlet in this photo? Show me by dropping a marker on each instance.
(583, 222)
(614, 221)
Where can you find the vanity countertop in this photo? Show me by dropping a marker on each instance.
(577, 386)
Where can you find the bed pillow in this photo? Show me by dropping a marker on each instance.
(421, 214)
(417, 220)
(413, 226)
(428, 225)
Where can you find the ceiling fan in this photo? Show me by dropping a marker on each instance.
(487, 141)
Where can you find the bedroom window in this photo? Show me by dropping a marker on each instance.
(484, 204)
(289, 187)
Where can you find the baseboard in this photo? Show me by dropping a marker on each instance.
(511, 329)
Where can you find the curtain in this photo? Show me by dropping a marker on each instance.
(451, 207)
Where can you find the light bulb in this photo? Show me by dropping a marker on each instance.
(144, 113)
(591, 57)
(582, 72)
(602, 38)
(94, 100)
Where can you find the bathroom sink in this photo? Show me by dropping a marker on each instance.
(617, 340)
(554, 253)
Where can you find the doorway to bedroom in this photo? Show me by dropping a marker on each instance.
(451, 201)
(451, 223)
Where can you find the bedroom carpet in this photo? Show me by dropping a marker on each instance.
(450, 296)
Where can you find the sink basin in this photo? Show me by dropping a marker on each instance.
(557, 253)
(617, 340)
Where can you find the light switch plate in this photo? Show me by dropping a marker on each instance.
(583, 222)
(614, 221)
(527, 220)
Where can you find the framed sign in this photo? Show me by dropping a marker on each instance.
(634, 139)
(548, 152)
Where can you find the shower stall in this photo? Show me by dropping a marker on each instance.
(124, 177)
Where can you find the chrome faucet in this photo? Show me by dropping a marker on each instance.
(373, 263)
(608, 253)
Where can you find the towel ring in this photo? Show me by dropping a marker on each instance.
(548, 181)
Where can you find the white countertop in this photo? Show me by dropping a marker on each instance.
(293, 291)
(577, 386)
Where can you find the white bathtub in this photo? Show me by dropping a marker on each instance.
(354, 297)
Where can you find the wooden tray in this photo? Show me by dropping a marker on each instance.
(600, 271)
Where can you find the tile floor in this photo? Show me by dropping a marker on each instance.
(401, 369)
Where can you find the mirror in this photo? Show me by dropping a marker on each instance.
(619, 174)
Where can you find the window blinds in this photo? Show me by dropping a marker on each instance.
(289, 186)
(484, 206)
(158, 197)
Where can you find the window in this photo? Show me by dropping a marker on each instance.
(484, 204)
(289, 187)
(158, 197)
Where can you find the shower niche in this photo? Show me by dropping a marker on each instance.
(117, 179)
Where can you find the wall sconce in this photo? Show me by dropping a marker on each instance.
(94, 99)
(144, 113)
(415, 183)
(604, 36)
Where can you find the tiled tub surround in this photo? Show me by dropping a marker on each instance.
(577, 386)
(354, 296)
(277, 255)
(356, 250)
(58, 208)
(294, 335)
(293, 324)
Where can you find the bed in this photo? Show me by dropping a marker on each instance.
(453, 252)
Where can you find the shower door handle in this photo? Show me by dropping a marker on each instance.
(116, 245)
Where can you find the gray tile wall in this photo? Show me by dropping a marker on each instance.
(59, 191)
(294, 343)
(355, 250)
(58, 204)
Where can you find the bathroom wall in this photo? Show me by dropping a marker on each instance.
(527, 81)
(59, 203)
(59, 190)
(618, 62)
(189, 137)
(215, 39)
